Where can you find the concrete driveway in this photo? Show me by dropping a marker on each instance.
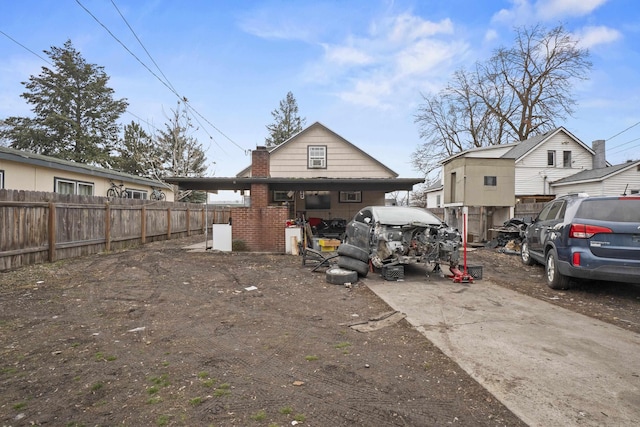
(548, 365)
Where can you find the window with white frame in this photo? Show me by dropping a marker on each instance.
(132, 193)
(551, 158)
(566, 159)
(317, 156)
(1, 179)
(71, 186)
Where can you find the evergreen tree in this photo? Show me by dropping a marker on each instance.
(181, 153)
(138, 154)
(75, 113)
(287, 122)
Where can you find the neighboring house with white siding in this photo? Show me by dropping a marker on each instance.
(495, 178)
(622, 179)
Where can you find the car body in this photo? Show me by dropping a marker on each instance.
(577, 236)
(403, 235)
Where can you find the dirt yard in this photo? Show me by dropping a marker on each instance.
(160, 336)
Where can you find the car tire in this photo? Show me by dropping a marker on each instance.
(525, 255)
(354, 252)
(555, 280)
(340, 276)
(361, 267)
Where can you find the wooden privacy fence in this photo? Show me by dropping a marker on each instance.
(38, 227)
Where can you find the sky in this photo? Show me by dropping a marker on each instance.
(359, 67)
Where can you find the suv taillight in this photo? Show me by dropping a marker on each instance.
(584, 231)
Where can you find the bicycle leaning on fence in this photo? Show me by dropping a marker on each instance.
(157, 194)
(117, 191)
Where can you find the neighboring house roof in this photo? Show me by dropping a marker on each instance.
(592, 175)
(434, 187)
(516, 150)
(525, 147)
(41, 160)
(308, 129)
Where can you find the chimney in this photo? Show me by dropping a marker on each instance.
(599, 161)
(260, 164)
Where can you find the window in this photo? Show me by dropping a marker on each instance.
(566, 159)
(317, 156)
(1, 179)
(283, 196)
(551, 158)
(490, 181)
(438, 197)
(70, 186)
(136, 194)
(317, 200)
(551, 211)
(453, 187)
(350, 197)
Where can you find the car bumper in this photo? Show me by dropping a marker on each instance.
(613, 270)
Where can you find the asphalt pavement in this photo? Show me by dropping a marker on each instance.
(548, 365)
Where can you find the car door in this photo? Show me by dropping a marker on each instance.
(540, 229)
(359, 229)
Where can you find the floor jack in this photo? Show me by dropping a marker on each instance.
(457, 275)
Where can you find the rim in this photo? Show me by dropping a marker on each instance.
(524, 252)
(551, 268)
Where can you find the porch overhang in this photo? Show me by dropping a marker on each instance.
(297, 184)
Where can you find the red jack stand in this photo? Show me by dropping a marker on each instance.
(457, 275)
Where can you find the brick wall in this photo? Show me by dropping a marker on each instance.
(262, 229)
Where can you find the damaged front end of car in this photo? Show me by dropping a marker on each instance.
(415, 243)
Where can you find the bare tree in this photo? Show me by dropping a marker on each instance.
(519, 92)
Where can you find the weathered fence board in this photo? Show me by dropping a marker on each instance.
(37, 227)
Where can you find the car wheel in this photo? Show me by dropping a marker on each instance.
(354, 264)
(555, 280)
(340, 276)
(525, 256)
(354, 252)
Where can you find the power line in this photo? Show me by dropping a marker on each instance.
(617, 150)
(623, 131)
(166, 84)
(24, 47)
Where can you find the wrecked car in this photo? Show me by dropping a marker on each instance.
(403, 235)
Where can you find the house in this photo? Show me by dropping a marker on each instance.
(622, 179)
(493, 179)
(22, 170)
(434, 195)
(316, 174)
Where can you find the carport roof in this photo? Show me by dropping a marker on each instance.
(297, 184)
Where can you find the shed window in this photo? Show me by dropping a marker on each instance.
(551, 158)
(1, 179)
(317, 156)
(490, 181)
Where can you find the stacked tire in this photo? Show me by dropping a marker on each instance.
(352, 262)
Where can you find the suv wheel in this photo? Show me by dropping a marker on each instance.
(555, 280)
(525, 256)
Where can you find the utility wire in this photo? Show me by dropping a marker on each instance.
(623, 131)
(165, 83)
(24, 47)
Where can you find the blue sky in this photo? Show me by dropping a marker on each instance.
(359, 67)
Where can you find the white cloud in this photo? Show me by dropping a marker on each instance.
(398, 57)
(528, 12)
(593, 36)
(553, 9)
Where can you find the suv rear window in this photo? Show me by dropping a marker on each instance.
(619, 210)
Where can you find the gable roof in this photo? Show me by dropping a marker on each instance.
(591, 175)
(307, 130)
(26, 157)
(525, 147)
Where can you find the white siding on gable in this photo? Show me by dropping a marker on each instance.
(435, 199)
(532, 173)
(343, 159)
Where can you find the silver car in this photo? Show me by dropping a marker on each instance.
(403, 235)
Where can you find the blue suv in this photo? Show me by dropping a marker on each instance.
(586, 237)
